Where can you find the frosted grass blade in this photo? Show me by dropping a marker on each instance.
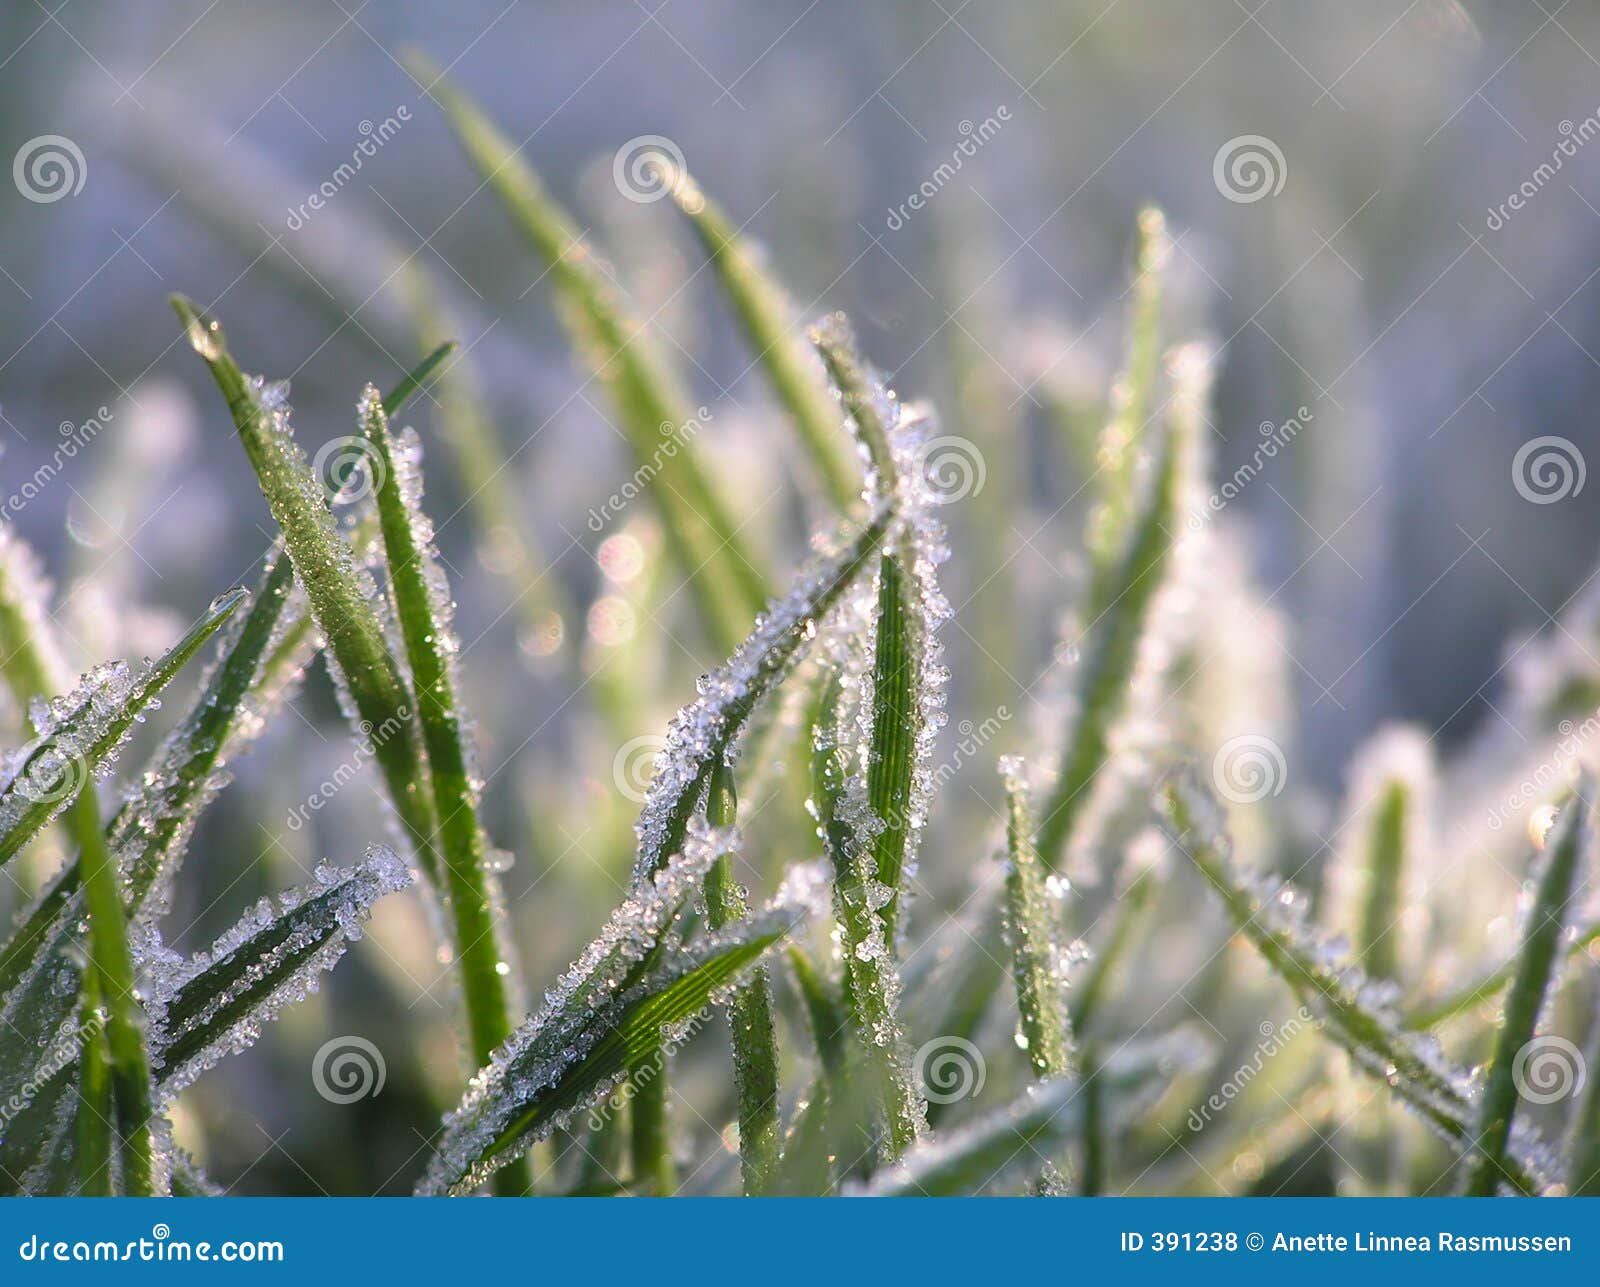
(1037, 965)
(1433, 1013)
(755, 1042)
(727, 582)
(423, 608)
(702, 732)
(1570, 842)
(214, 1004)
(630, 992)
(78, 734)
(337, 590)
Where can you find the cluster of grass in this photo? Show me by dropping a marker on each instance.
(854, 1035)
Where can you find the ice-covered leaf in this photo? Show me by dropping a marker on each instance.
(213, 1004)
(702, 732)
(79, 734)
(634, 988)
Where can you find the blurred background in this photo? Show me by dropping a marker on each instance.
(1360, 265)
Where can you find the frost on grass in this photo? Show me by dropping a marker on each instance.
(214, 1003)
(707, 728)
(637, 984)
(1356, 1012)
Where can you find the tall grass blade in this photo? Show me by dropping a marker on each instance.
(755, 1041)
(1569, 844)
(1037, 964)
(423, 609)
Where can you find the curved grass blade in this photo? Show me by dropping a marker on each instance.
(340, 604)
(79, 733)
(1087, 998)
(1411, 1067)
(727, 582)
(423, 609)
(631, 989)
(1538, 964)
(755, 1043)
(701, 733)
(1036, 962)
(764, 311)
(215, 1003)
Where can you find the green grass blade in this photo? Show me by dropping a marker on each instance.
(825, 1015)
(763, 309)
(86, 728)
(755, 1042)
(423, 609)
(1087, 998)
(418, 378)
(861, 395)
(216, 1004)
(1377, 935)
(1106, 670)
(872, 984)
(1132, 395)
(1036, 962)
(728, 583)
(1538, 964)
(1376, 1042)
(322, 560)
(96, 1117)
